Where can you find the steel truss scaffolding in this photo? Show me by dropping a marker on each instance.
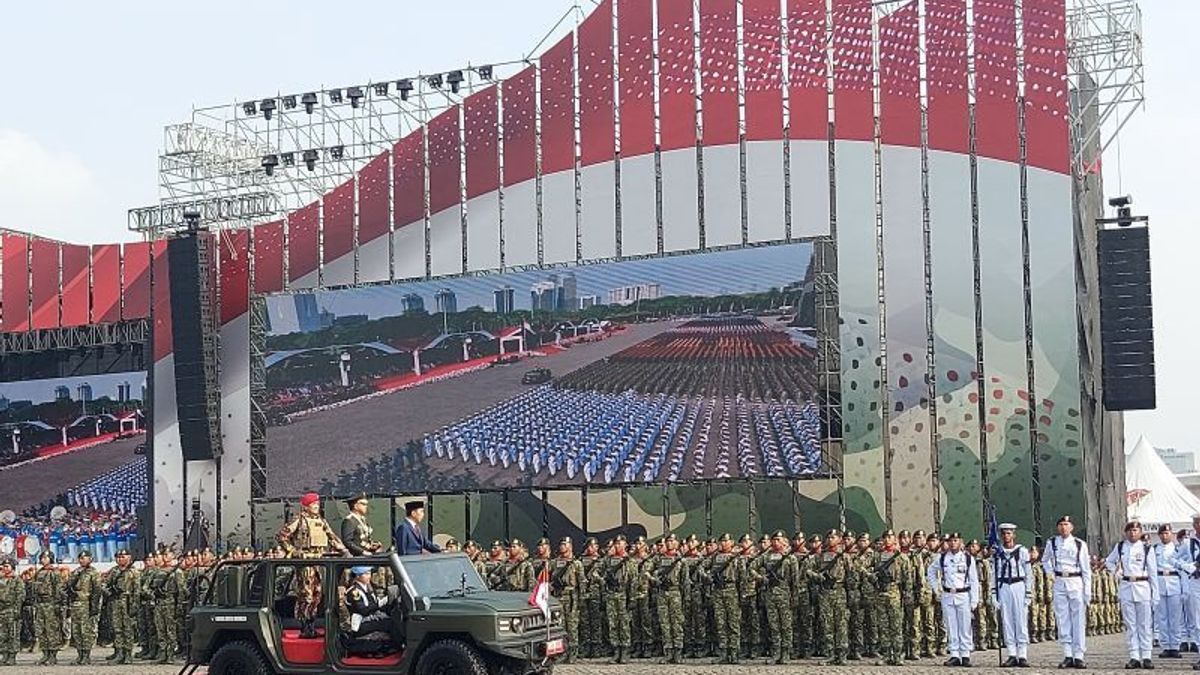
(1104, 46)
(94, 335)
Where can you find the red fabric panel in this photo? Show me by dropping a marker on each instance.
(337, 232)
(268, 257)
(408, 178)
(1046, 135)
(46, 289)
(597, 133)
(996, 80)
(445, 161)
(482, 140)
(676, 77)
(14, 291)
(718, 72)
(234, 247)
(764, 70)
(558, 108)
(853, 105)
(900, 78)
(636, 76)
(163, 343)
(135, 276)
(808, 99)
(365, 662)
(106, 283)
(75, 301)
(302, 235)
(304, 651)
(373, 200)
(520, 141)
(946, 56)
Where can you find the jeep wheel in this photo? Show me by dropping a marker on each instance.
(238, 658)
(451, 657)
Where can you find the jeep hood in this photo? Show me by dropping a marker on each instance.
(497, 601)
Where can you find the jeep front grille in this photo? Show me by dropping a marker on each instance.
(533, 622)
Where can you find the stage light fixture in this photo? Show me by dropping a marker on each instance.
(249, 108)
(269, 162)
(337, 151)
(454, 78)
(381, 89)
(434, 81)
(404, 86)
(485, 72)
(335, 95)
(289, 158)
(310, 159)
(289, 102)
(310, 101)
(355, 94)
(268, 108)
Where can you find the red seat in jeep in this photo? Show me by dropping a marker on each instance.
(303, 651)
(365, 662)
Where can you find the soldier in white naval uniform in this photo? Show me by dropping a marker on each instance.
(1014, 586)
(1187, 561)
(1133, 563)
(1168, 612)
(1187, 635)
(1066, 560)
(954, 579)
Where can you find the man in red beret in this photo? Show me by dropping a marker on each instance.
(308, 535)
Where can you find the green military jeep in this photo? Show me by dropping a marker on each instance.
(440, 621)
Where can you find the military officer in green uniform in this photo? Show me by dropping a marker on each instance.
(357, 534)
(748, 599)
(723, 571)
(566, 582)
(830, 572)
(167, 589)
(666, 576)
(120, 592)
(614, 574)
(12, 597)
(591, 609)
(493, 566)
(83, 596)
(47, 606)
(541, 560)
(777, 573)
(640, 614)
(518, 572)
(892, 574)
(802, 614)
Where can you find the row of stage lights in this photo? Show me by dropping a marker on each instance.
(309, 157)
(355, 95)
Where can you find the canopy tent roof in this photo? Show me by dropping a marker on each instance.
(1153, 494)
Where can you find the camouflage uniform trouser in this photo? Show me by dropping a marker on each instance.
(802, 627)
(308, 593)
(750, 637)
(616, 608)
(570, 610)
(854, 625)
(670, 618)
(727, 613)
(695, 618)
(889, 625)
(642, 623)
(48, 626)
(912, 641)
(124, 624)
(939, 643)
(165, 627)
(591, 623)
(924, 633)
(780, 630)
(835, 638)
(145, 620)
(10, 630)
(83, 626)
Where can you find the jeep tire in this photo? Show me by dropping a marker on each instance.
(446, 657)
(240, 657)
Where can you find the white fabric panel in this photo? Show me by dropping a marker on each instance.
(445, 242)
(809, 171)
(1052, 282)
(950, 252)
(168, 457)
(483, 232)
(764, 190)
(558, 217)
(639, 223)
(520, 224)
(309, 280)
(1001, 270)
(234, 491)
(680, 199)
(339, 271)
(373, 260)
(722, 196)
(598, 210)
(408, 250)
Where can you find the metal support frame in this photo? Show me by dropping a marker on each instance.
(1104, 42)
(95, 335)
(258, 393)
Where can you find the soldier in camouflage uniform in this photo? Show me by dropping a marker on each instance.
(120, 593)
(1037, 586)
(591, 614)
(614, 575)
(518, 571)
(932, 627)
(541, 560)
(12, 597)
(357, 534)
(853, 597)
(777, 573)
(801, 603)
(983, 619)
(693, 598)
(830, 573)
(910, 590)
(566, 584)
(308, 535)
(168, 586)
(83, 595)
(665, 574)
(144, 610)
(641, 615)
(891, 575)
(863, 638)
(748, 599)
(48, 599)
(723, 570)
(493, 566)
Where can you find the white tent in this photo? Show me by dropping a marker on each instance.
(1153, 494)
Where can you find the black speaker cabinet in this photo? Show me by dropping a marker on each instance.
(194, 334)
(1126, 319)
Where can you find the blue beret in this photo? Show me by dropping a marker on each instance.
(360, 570)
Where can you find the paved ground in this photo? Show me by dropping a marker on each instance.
(33, 483)
(1106, 654)
(301, 454)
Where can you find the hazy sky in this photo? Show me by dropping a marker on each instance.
(88, 87)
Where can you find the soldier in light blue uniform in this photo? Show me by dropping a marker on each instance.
(1168, 613)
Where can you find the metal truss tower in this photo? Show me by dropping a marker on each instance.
(1104, 63)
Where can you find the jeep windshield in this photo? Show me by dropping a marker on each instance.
(441, 576)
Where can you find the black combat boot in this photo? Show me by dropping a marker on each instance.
(113, 656)
(123, 657)
(87, 657)
(53, 658)
(45, 658)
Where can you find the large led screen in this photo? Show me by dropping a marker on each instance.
(663, 369)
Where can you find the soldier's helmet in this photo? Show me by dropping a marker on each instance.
(864, 538)
(46, 557)
(833, 534)
(619, 538)
(565, 541)
(122, 552)
(725, 536)
(670, 537)
(591, 541)
(800, 536)
(451, 542)
(814, 539)
(497, 544)
(746, 539)
(470, 543)
(515, 543)
(780, 534)
(85, 553)
(903, 533)
(543, 542)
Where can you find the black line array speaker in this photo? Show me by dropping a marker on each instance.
(1126, 319)
(194, 336)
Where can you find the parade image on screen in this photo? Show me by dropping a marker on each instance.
(643, 371)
